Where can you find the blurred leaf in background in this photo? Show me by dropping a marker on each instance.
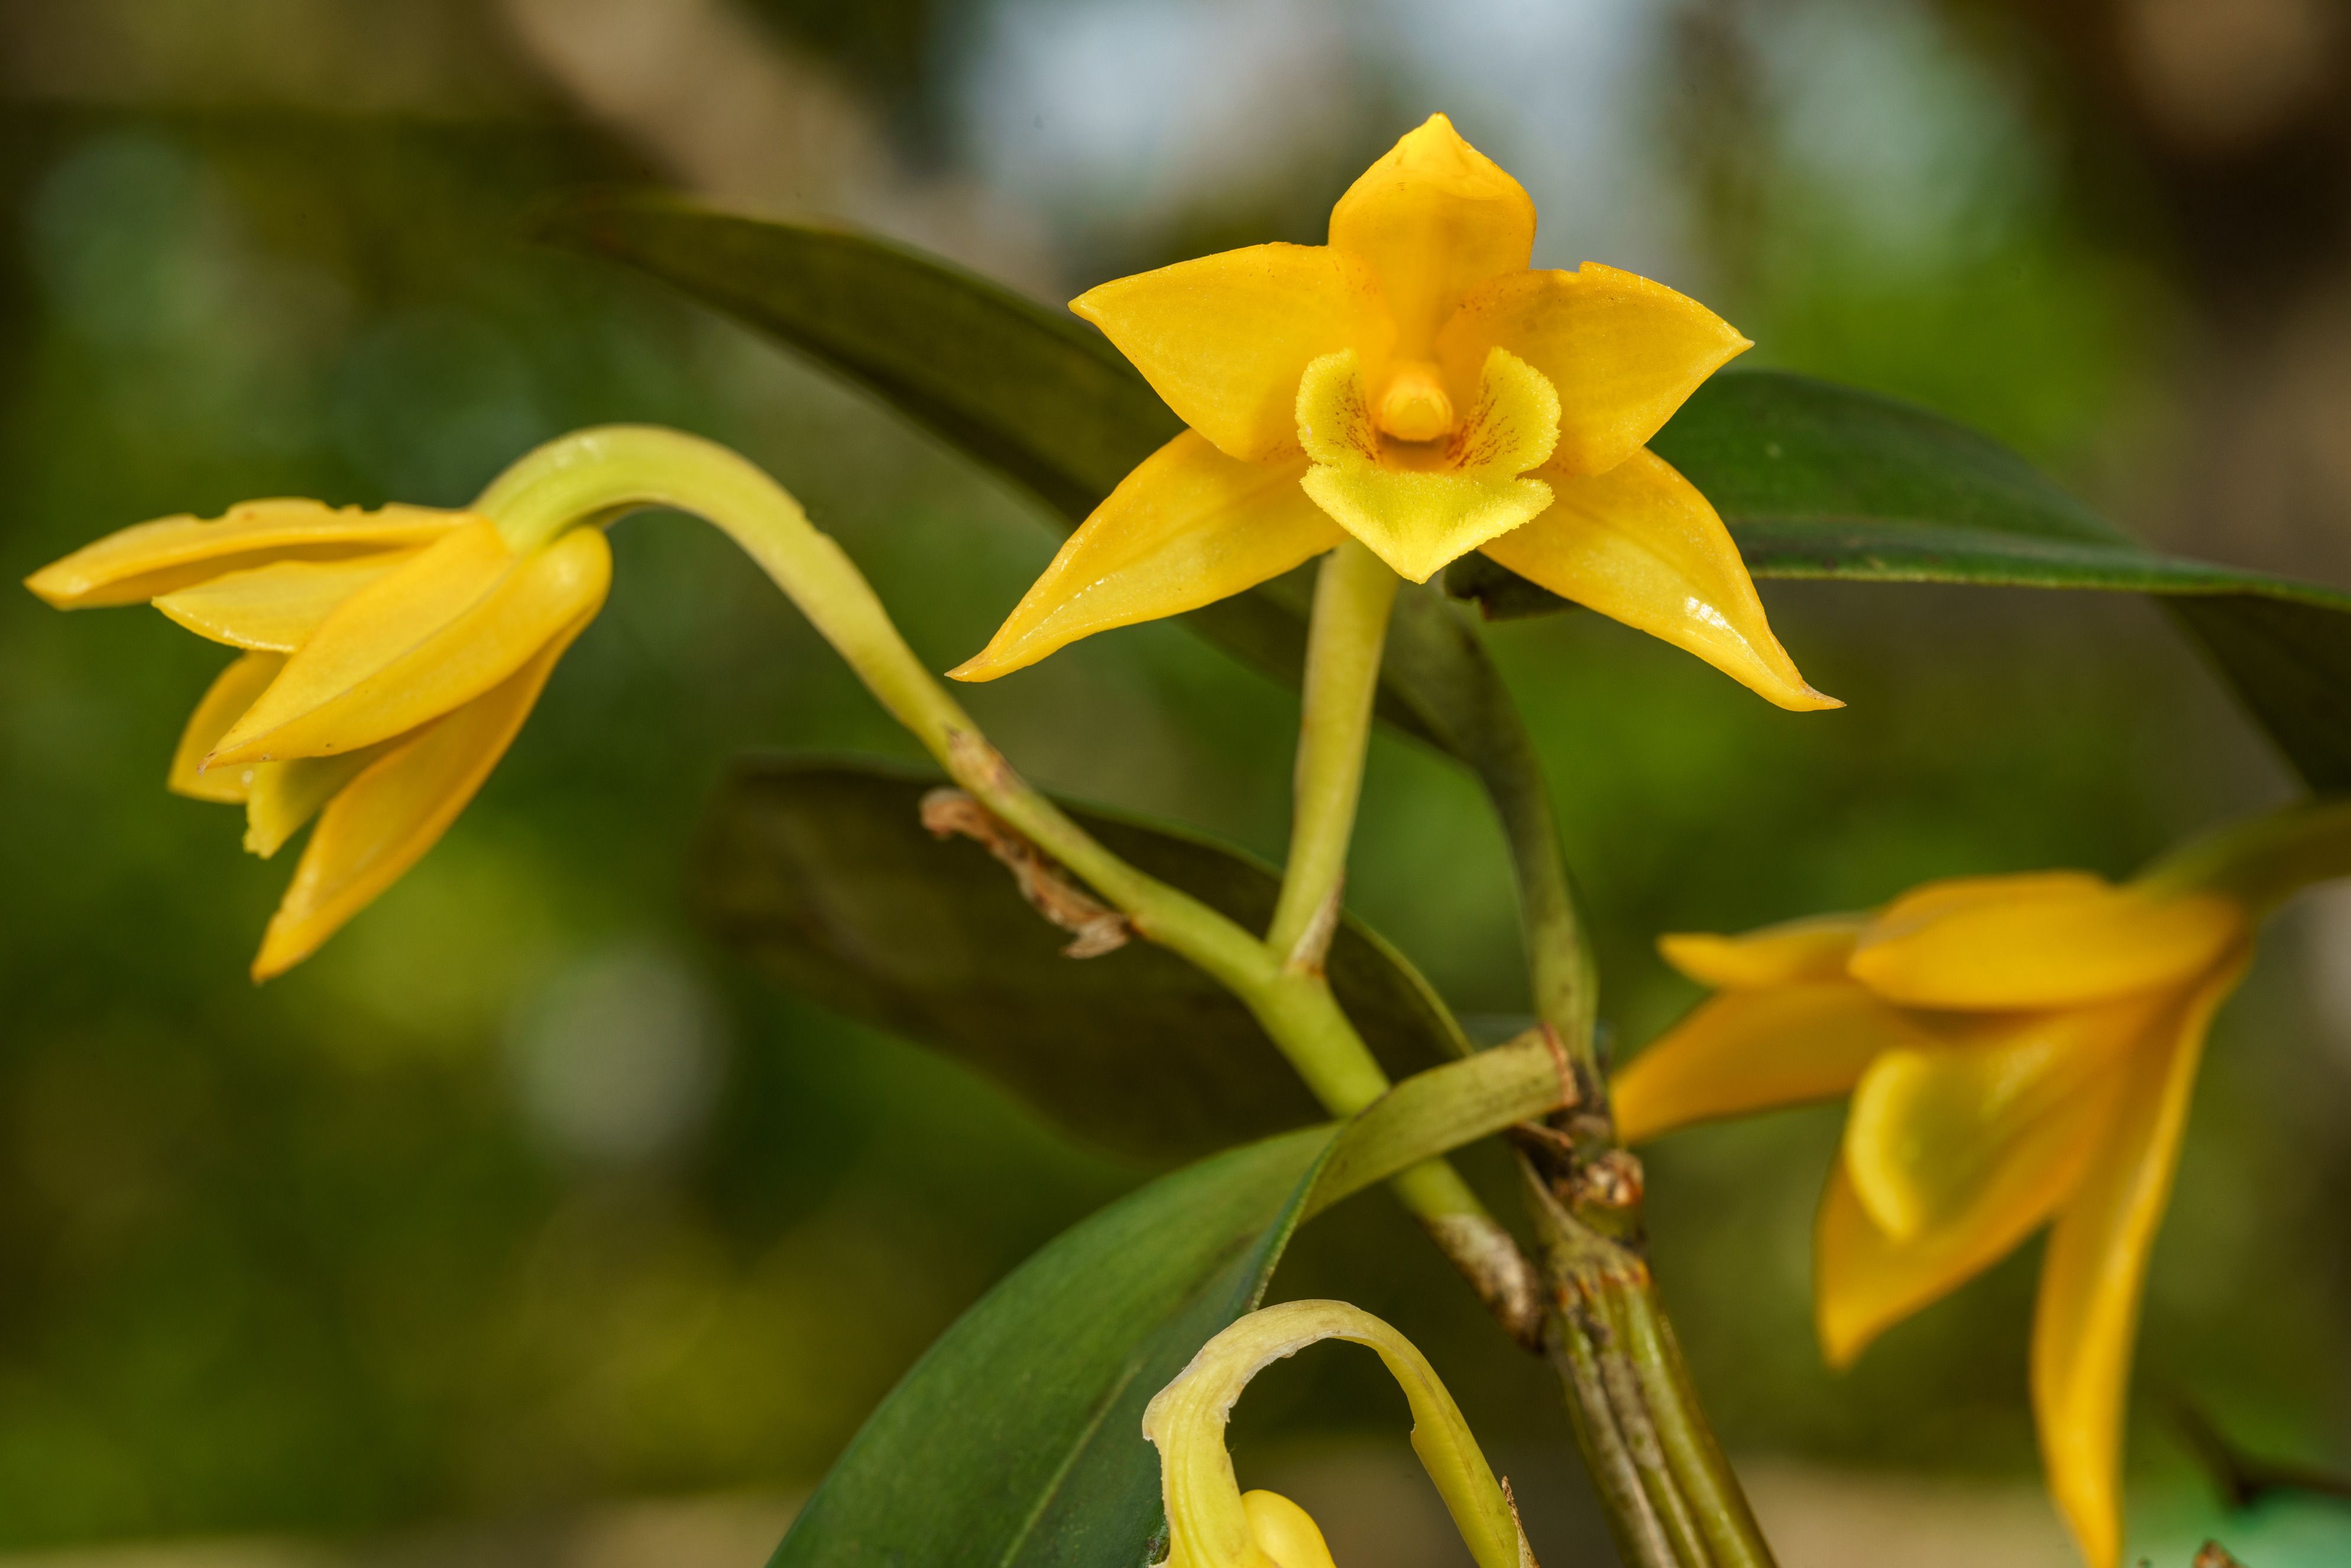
(520, 1195)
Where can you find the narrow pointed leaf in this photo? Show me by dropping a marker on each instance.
(1017, 1440)
(1034, 394)
(1823, 481)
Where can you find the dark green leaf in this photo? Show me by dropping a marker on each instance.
(1017, 1442)
(821, 872)
(1823, 481)
(2291, 663)
(1032, 392)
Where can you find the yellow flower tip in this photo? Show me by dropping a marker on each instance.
(987, 664)
(133, 565)
(53, 585)
(1842, 1335)
(1694, 952)
(1189, 526)
(1816, 948)
(1809, 699)
(1285, 1531)
(1431, 160)
(1435, 217)
(284, 944)
(383, 810)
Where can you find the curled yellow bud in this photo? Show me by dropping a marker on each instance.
(1210, 1524)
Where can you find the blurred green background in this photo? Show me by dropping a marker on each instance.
(521, 1201)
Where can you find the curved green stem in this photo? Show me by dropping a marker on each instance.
(594, 476)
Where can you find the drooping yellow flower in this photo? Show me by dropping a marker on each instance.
(1416, 384)
(2020, 1052)
(389, 659)
(1212, 1524)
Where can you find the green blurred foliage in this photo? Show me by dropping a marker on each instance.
(312, 1256)
(519, 1194)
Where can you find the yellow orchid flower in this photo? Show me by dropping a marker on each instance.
(1415, 385)
(389, 658)
(1211, 1523)
(2019, 1050)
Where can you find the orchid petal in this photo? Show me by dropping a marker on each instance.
(1756, 1051)
(1940, 1133)
(1640, 545)
(382, 823)
(430, 636)
(285, 795)
(2047, 939)
(135, 564)
(280, 606)
(1624, 351)
(1865, 1281)
(233, 691)
(1224, 338)
(2091, 1276)
(1813, 949)
(1188, 527)
(1435, 218)
(1418, 519)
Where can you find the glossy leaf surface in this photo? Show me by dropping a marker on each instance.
(1016, 1441)
(1823, 481)
(822, 874)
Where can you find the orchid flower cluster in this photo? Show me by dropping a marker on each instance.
(2020, 1052)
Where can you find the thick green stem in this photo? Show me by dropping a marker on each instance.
(1672, 1500)
(594, 476)
(1352, 596)
(1578, 1337)
(1671, 1495)
(1700, 1471)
